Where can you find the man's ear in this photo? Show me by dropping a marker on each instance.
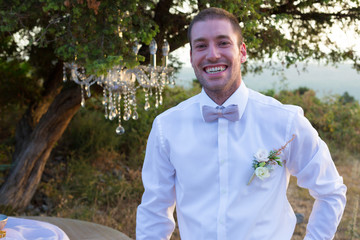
(243, 53)
(190, 56)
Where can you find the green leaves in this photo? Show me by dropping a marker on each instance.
(76, 30)
(92, 31)
(50, 5)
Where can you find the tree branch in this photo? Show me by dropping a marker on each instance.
(291, 9)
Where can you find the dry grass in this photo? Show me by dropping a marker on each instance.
(119, 211)
(302, 202)
(122, 216)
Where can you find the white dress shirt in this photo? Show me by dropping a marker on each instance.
(204, 169)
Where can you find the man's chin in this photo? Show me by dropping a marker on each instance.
(215, 88)
(215, 83)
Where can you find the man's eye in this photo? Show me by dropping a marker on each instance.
(200, 46)
(224, 43)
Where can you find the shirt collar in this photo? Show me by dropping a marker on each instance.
(239, 97)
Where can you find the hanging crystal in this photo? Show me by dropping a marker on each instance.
(87, 89)
(156, 99)
(112, 106)
(127, 109)
(118, 109)
(160, 90)
(111, 116)
(127, 116)
(105, 103)
(135, 114)
(136, 47)
(147, 104)
(160, 99)
(120, 130)
(129, 105)
(113, 113)
(82, 96)
(64, 73)
(121, 81)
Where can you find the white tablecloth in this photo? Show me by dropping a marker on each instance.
(26, 229)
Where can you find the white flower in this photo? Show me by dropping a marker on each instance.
(262, 155)
(262, 172)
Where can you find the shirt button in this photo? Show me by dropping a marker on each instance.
(223, 191)
(222, 161)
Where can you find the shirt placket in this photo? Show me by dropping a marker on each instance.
(223, 176)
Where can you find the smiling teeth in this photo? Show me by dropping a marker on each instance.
(215, 69)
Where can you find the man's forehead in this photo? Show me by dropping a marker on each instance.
(212, 28)
(212, 21)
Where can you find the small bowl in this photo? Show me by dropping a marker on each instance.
(3, 221)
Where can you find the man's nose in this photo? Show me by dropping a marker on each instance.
(213, 53)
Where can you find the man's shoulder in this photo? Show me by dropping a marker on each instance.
(266, 102)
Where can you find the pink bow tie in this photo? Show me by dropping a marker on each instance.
(211, 114)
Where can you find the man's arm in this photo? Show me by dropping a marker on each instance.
(155, 219)
(310, 161)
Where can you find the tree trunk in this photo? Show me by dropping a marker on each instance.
(37, 109)
(31, 155)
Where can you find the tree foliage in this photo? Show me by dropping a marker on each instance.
(99, 34)
(96, 34)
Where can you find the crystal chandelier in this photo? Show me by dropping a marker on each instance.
(120, 84)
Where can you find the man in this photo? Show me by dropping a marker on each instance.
(200, 154)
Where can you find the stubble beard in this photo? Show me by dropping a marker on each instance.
(219, 93)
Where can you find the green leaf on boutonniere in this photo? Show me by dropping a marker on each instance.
(272, 159)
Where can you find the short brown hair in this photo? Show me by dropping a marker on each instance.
(216, 13)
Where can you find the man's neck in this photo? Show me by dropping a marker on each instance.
(219, 97)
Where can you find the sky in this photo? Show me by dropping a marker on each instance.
(325, 80)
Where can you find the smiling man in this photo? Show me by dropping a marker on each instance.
(216, 55)
(214, 155)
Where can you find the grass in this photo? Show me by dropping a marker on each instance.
(94, 175)
(302, 202)
(104, 191)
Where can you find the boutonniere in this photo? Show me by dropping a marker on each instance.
(265, 161)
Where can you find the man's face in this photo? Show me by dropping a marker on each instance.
(216, 57)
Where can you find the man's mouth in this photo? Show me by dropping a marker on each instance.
(213, 70)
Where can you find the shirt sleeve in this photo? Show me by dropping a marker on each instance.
(155, 218)
(310, 161)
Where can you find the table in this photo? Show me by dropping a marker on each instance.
(26, 229)
(82, 230)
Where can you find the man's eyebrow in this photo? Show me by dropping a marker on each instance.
(199, 40)
(217, 37)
